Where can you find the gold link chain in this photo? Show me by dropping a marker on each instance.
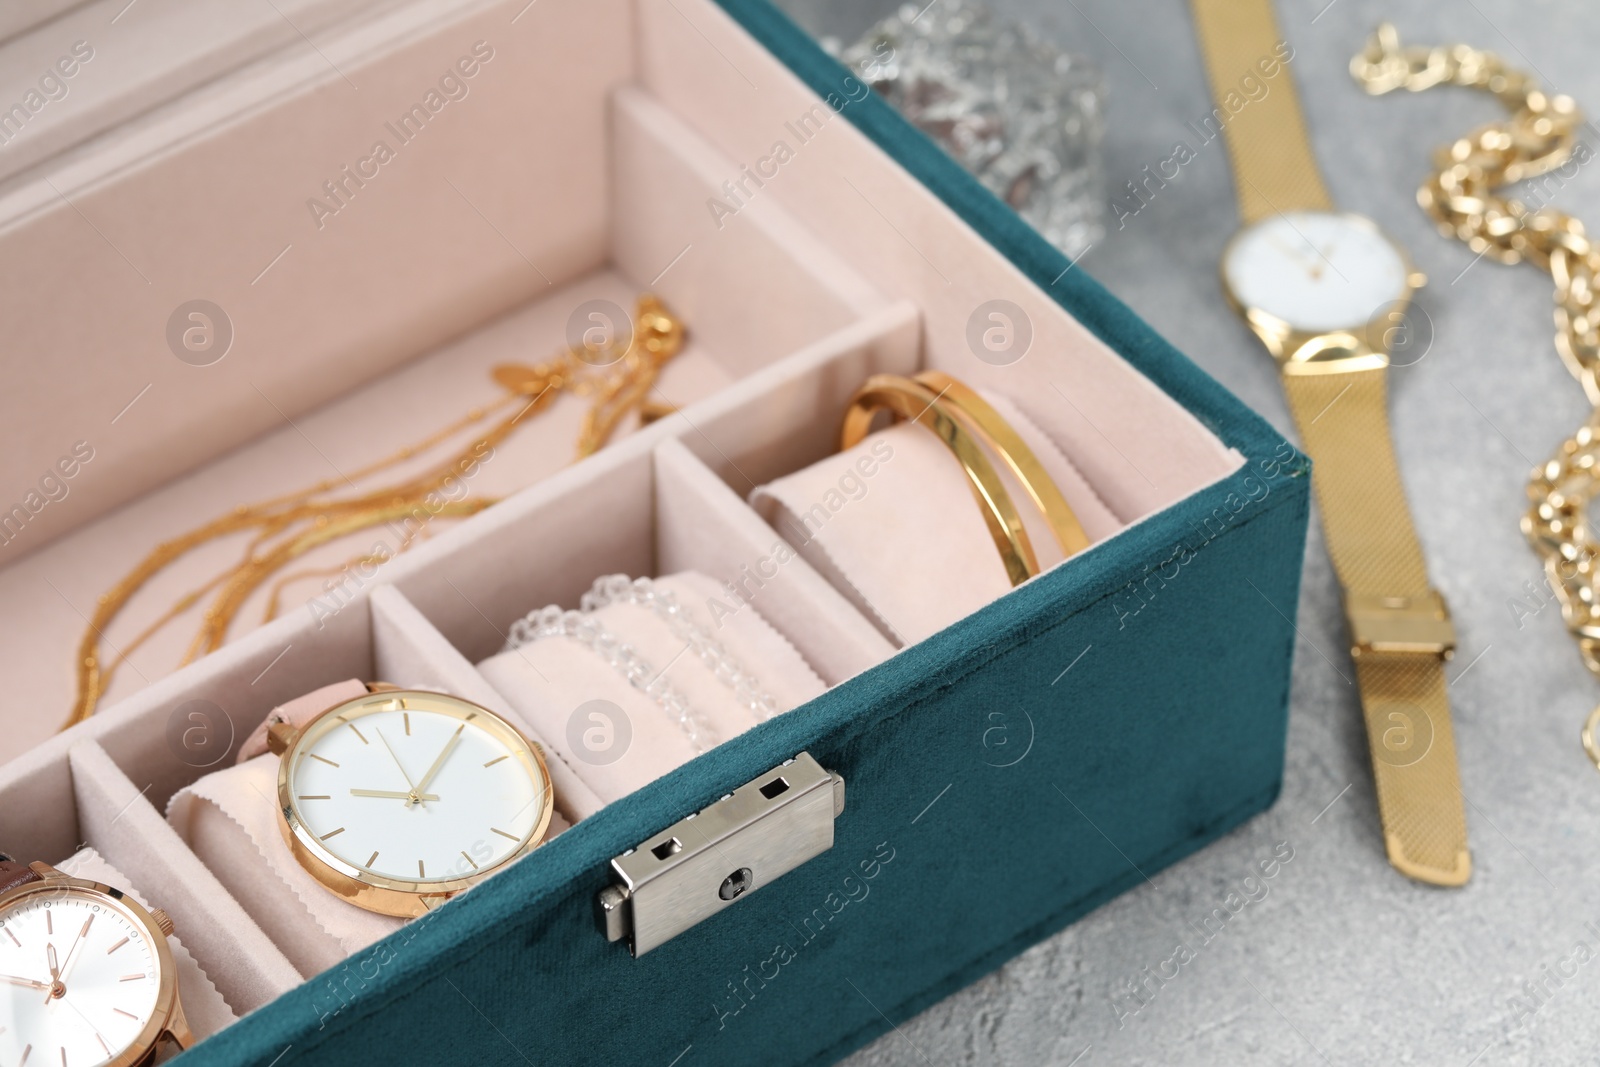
(1557, 524)
(1461, 196)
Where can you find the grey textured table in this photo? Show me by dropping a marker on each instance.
(1344, 961)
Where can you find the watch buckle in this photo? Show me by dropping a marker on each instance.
(1383, 625)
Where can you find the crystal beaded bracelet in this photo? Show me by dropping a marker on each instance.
(618, 589)
(551, 621)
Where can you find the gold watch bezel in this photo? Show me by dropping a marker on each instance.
(407, 898)
(1289, 345)
(166, 1018)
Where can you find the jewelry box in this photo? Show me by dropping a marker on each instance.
(950, 802)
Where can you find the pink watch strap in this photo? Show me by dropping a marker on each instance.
(300, 711)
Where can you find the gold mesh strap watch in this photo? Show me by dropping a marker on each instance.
(1320, 287)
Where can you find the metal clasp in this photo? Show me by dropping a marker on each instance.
(715, 857)
(1392, 624)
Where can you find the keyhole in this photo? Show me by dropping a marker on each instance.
(735, 883)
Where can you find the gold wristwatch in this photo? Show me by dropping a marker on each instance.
(398, 799)
(86, 974)
(1319, 287)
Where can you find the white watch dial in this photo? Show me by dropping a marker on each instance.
(1317, 271)
(415, 787)
(79, 979)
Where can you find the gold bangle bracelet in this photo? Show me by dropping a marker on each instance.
(993, 430)
(912, 400)
(962, 419)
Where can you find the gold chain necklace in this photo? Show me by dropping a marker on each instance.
(616, 378)
(1539, 136)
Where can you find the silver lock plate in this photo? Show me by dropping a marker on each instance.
(713, 859)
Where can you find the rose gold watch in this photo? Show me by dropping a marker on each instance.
(397, 799)
(86, 974)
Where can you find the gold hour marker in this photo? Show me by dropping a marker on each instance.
(324, 759)
(331, 833)
(118, 945)
(25, 1053)
(102, 1045)
(131, 978)
(49, 922)
(315, 796)
(372, 859)
(358, 733)
(470, 716)
(14, 940)
(129, 1014)
(497, 759)
(421, 870)
(407, 717)
(468, 859)
(502, 833)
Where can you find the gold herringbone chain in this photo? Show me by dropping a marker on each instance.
(1539, 136)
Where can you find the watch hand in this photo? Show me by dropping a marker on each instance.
(72, 952)
(1313, 263)
(1292, 253)
(449, 747)
(35, 983)
(397, 763)
(1326, 256)
(55, 972)
(390, 794)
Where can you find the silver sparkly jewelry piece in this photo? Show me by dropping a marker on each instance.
(552, 621)
(1026, 118)
(618, 589)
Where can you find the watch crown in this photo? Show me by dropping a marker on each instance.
(163, 922)
(280, 736)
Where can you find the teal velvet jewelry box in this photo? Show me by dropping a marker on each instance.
(1004, 777)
